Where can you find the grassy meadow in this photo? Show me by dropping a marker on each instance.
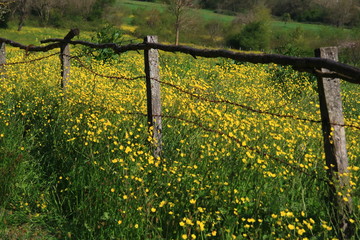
(78, 164)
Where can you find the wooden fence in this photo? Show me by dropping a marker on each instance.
(324, 66)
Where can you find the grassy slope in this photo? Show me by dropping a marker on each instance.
(31, 35)
(210, 15)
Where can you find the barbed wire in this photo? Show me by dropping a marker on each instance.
(201, 125)
(29, 61)
(307, 64)
(82, 64)
(195, 95)
(237, 140)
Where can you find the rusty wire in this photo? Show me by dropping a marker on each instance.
(28, 61)
(200, 125)
(225, 101)
(83, 65)
(235, 139)
(194, 95)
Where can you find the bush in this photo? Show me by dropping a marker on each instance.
(98, 9)
(254, 36)
(156, 23)
(108, 34)
(4, 18)
(350, 54)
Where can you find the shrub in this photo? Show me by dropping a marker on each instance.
(155, 23)
(254, 36)
(108, 34)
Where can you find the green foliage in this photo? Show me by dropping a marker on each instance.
(291, 82)
(291, 43)
(350, 54)
(315, 14)
(254, 36)
(153, 22)
(209, 4)
(4, 13)
(286, 17)
(98, 9)
(108, 34)
(56, 19)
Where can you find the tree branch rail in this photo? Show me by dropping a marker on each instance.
(308, 64)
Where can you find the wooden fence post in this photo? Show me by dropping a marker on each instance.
(65, 58)
(65, 65)
(335, 146)
(2, 59)
(153, 94)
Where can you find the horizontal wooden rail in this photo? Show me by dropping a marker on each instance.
(308, 64)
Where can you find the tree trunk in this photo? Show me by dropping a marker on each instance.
(177, 35)
(21, 22)
(23, 13)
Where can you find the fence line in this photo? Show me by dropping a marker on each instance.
(28, 61)
(82, 64)
(195, 95)
(237, 140)
(307, 64)
(324, 66)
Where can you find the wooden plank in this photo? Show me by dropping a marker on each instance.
(335, 145)
(153, 94)
(2, 59)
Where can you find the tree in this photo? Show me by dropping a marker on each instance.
(179, 10)
(339, 12)
(215, 30)
(23, 9)
(209, 4)
(5, 8)
(53, 11)
(255, 35)
(286, 17)
(43, 8)
(97, 8)
(155, 23)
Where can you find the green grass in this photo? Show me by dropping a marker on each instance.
(33, 35)
(81, 167)
(133, 5)
(311, 35)
(209, 15)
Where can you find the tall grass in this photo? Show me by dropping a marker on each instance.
(79, 164)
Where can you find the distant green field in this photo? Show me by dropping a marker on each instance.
(206, 14)
(33, 35)
(211, 15)
(314, 35)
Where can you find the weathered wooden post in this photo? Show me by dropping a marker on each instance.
(335, 145)
(2, 60)
(153, 94)
(65, 58)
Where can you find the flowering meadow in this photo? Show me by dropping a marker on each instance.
(78, 164)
